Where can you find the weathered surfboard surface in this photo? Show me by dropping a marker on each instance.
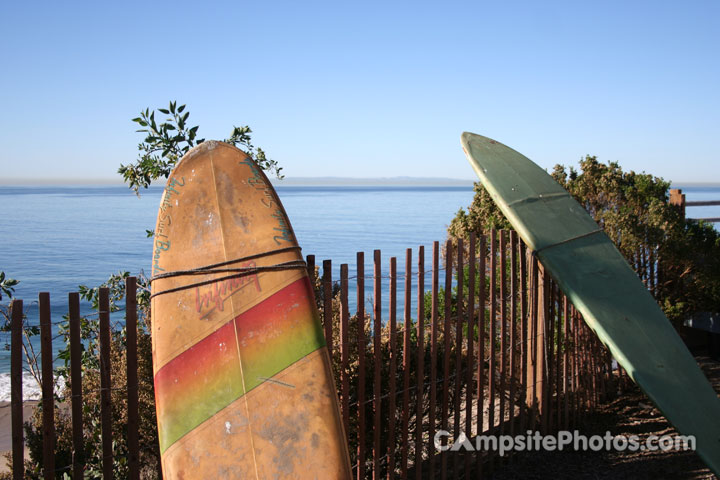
(594, 275)
(242, 376)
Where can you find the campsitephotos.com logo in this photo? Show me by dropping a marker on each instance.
(563, 440)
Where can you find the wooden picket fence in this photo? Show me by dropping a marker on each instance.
(496, 349)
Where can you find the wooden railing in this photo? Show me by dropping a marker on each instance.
(495, 349)
(678, 198)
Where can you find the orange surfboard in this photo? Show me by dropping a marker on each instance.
(243, 384)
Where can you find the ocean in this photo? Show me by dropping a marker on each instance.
(59, 237)
(55, 238)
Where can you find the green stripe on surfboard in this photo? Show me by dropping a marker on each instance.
(207, 377)
(594, 275)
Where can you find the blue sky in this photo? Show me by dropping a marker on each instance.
(369, 89)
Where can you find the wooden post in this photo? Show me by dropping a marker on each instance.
(16, 395)
(444, 407)
(310, 261)
(48, 384)
(377, 353)
(76, 384)
(327, 305)
(537, 359)
(532, 370)
(434, 288)
(458, 349)
(361, 364)
(393, 367)
(513, 328)
(133, 440)
(543, 347)
(420, 362)
(567, 370)
(472, 258)
(524, 343)
(677, 198)
(503, 329)
(493, 332)
(344, 346)
(480, 406)
(407, 325)
(105, 382)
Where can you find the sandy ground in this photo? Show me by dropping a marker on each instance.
(6, 429)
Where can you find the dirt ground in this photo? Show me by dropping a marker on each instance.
(631, 413)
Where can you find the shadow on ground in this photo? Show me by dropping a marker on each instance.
(631, 413)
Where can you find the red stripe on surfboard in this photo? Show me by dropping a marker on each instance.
(207, 377)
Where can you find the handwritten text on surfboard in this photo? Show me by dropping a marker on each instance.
(213, 296)
(257, 181)
(162, 241)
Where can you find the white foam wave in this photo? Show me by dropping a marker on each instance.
(30, 387)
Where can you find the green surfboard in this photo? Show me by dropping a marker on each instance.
(594, 275)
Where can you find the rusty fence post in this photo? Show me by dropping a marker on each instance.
(16, 395)
(361, 363)
(444, 407)
(377, 354)
(393, 368)
(76, 384)
(328, 305)
(458, 350)
(420, 364)
(105, 385)
(48, 384)
(407, 325)
(470, 374)
(344, 349)
(133, 417)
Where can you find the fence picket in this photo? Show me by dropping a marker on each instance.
(472, 258)
(435, 286)
(393, 368)
(493, 332)
(480, 407)
(377, 354)
(458, 349)
(344, 350)
(420, 365)
(328, 305)
(16, 394)
(407, 325)
(523, 335)
(446, 355)
(132, 378)
(503, 328)
(48, 385)
(361, 364)
(105, 382)
(76, 384)
(513, 329)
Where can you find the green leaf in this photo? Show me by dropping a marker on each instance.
(164, 110)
